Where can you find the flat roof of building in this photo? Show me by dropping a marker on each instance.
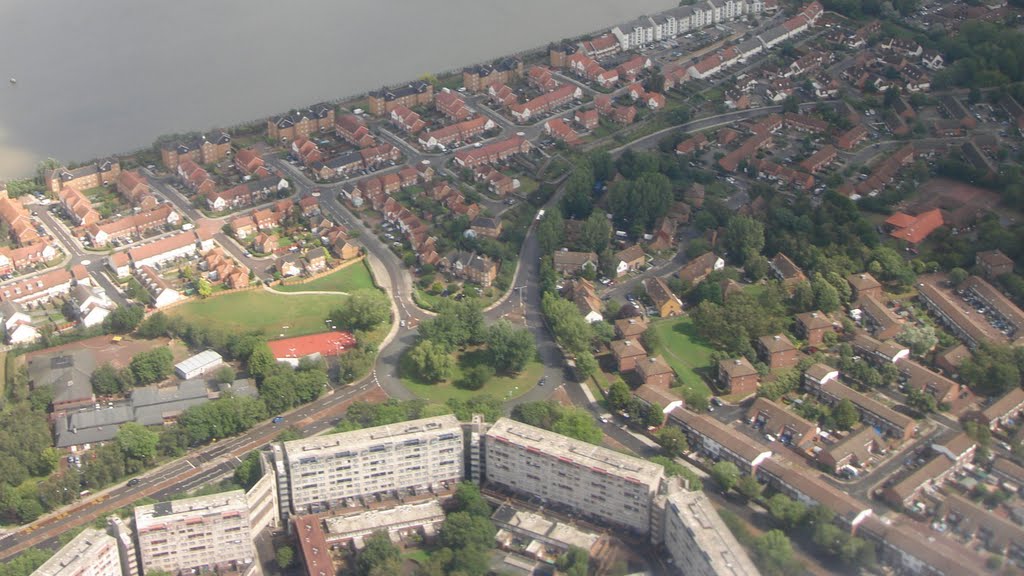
(404, 515)
(344, 440)
(201, 360)
(77, 555)
(162, 512)
(572, 450)
(712, 536)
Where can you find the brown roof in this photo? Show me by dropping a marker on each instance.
(627, 348)
(631, 254)
(777, 419)
(630, 327)
(777, 343)
(659, 291)
(786, 267)
(863, 281)
(654, 395)
(814, 320)
(994, 258)
(1009, 402)
(719, 433)
(566, 258)
(737, 367)
(653, 366)
(1008, 469)
(806, 482)
(818, 371)
(698, 267)
(934, 468)
(866, 403)
(855, 444)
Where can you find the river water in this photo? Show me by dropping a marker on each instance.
(108, 76)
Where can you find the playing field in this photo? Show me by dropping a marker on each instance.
(276, 315)
(500, 387)
(348, 279)
(684, 351)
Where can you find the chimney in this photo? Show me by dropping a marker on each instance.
(737, 361)
(777, 337)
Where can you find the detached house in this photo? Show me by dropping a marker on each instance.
(777, 352)
(627, 354)
(566, 262)
(629, 260)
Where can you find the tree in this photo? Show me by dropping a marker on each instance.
(137, 441)
(920, 339)
(285, 556)
(462, 530)
(551, 231)
(107, 380)
(749, 487)
(826, 297)
(224, 375)
(261, 362)
(475, 377)
(776, 554)
(673, 441)
(845, 415)
(379, 556)
(154, 326)
(787, 512)
(993, 370)
(248, 473)
(579, 424)
(469, 499)
(363, 310)
(574, 562)
(596, 233)
(744, 238)
(204, 288)
(432, 362)
(791, 104)
(152, 366)
(124, 319)
(726, 474)
(957, 276)
(921, 402)
(618, 395)
(510, 348)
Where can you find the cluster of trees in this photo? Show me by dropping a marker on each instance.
(366, 415)
(282, 388)
(982, 55)
(575, 562)
(571, 330)
(123, 319)
(459, 325)
(732, 326)
(844, 416)
(864, 373)
(772, 552)
(641, 415)
(25, 452)
(363, 310)
(152, 366)
(549, 415)
(994, 369)
(466, 537)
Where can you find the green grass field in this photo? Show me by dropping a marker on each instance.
(276, 316)
(348, 279)
(684, 350)
(500, 387)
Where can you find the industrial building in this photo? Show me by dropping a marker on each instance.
(198, 365)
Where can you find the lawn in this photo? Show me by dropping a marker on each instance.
(684, 350)
(349, 279)
(501, 387)
(276, 316)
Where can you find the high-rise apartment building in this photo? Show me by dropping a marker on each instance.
(697, 540)
(91, 553)
(203, 533)
(314, 474)
(591, 480)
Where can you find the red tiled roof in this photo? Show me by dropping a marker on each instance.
(914, 229)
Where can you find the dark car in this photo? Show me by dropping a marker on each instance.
(134, 482)
(277, 419)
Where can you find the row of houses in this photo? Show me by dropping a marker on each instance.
(22, 230)
(680, 20)
(267, 219)
(172, 247)
(348, 163)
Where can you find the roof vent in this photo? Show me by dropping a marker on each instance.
(777, 337)
(737, 361)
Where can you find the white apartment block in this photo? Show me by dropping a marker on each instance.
(681, 20)
(91, 553)
(592, 480)
(697, 540)
(203, 534)
(314, 474)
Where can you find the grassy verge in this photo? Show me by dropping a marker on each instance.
(348, 279)
(684, 351)
(501, 387)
